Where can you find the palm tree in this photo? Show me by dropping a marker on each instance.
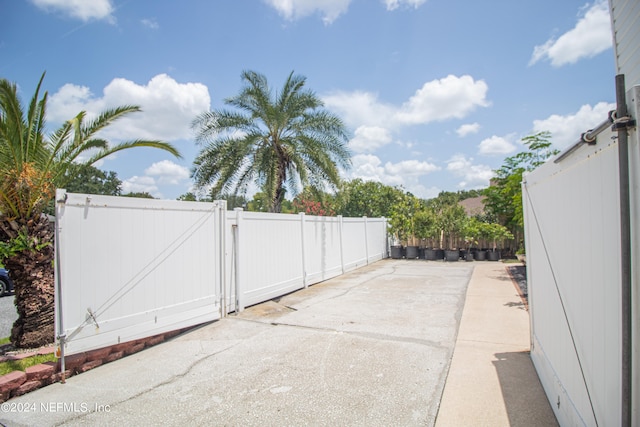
(280, 142)
(32, 165)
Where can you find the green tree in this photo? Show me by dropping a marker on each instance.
(504, 196)
(32, 165)
(451, 219)
(187, 197)
(277, 141)
(139, 195)
(402, 219)
(426, 225)
(357, 198)
(86, 179)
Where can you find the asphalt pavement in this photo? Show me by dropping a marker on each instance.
(8, 315)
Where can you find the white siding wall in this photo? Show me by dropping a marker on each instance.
(625, 17)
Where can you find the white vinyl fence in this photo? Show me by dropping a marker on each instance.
(131, 268)
(573, 244)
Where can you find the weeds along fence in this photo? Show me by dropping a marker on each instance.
(131, 268)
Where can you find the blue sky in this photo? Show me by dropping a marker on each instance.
(435, 93)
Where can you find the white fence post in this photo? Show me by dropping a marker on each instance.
(366, 239)
(221, 208)
(341, 245)
(303, 253)
(237, 265)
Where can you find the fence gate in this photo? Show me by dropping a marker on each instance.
(134, 268)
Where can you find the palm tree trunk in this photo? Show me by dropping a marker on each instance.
(32, 274)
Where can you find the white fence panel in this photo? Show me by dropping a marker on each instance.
(269, 254)
(322, 248)
(376, 239)
(354, 243)
(573, 263)
(133, 268)
(276, 254)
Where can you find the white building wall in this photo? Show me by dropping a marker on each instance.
(625, 18)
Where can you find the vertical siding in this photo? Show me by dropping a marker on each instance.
(625, 18)
(573, 263)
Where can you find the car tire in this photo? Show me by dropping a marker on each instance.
(4, 286)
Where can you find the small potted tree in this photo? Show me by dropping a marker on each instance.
(471, 232)
(425, 230)
(451, 220)
(497, 233)
(401, 225)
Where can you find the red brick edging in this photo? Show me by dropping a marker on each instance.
(17, 383)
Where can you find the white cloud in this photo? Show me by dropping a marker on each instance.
(472, 175)
(407, 173)
(394, 4)
(437, 100)
(591, 36)
(468, 129)
(141, 184)
(369, 139)
(79, 9)
(496, 145)
(150, 23)
(292, 10)
(168, 107)
(565, 130)
(449, 97)
(168, 172)
(359, 108)
(410, 168)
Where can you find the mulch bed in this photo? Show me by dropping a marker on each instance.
(519, 275)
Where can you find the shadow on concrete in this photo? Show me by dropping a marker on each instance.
(525, 406)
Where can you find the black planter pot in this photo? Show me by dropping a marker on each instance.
(439, 254)
(420, 253)
(451, 255)
(468, 256)
(412, 252)
(430, 254)
(493, 255)
(481, 255)
(396, 252)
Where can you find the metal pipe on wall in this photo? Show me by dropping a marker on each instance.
(625, 255)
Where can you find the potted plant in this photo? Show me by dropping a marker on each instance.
(471, 232)
(400, 224)
(451, 220)
(497, 233)
(520, 254)
(425, 229)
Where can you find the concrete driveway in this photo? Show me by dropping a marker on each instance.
(372, 347)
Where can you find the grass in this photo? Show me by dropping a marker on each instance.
(22, 364)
